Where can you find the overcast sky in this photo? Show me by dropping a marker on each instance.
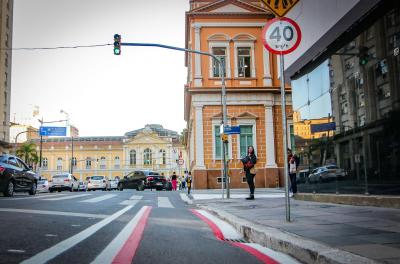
(103, 93)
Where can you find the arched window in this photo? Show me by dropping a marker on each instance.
(102, 162)
(132, 157)
(116, 162)
(45, 163)
(59, 163)
(147, 157)
(163, 156)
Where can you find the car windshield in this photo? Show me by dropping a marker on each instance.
(97, 177)
(60, 176)
(42, 181)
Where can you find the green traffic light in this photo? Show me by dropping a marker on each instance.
(117, 51)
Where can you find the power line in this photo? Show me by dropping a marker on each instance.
(60, 47)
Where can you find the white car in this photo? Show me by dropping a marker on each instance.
(98, 182)
(42, 186)
(62, 182)
(114, 184)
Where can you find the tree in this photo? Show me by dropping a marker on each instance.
(27, 152)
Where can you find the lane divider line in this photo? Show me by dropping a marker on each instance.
(265, 255)
(128, 251)
(52, 252)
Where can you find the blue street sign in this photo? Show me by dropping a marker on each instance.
(230, 130)
(53, 131)
(315, 128)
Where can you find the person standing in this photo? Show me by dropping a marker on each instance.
(189, 181)
(248, 166)
(173, 181)
(293, 161)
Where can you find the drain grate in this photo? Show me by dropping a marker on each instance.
(235, 240)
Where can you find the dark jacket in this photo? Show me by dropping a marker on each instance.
(245, 161)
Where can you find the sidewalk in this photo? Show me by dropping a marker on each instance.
(319, 232)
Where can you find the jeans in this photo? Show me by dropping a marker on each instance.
(293, 183)
(250, 182)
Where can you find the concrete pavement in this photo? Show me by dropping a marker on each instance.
(318, 233)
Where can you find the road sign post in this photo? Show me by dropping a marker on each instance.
(282, 36)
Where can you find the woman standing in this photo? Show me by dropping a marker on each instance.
(173, 180)
(248, 166)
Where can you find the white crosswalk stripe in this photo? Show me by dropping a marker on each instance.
(164, 202)
(66, 197)
(99, 199)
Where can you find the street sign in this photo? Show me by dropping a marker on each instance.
(315, 128)
(53, 131)
(281, 35)
(280, 7)
(231, 130)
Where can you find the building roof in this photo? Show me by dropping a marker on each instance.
(82, 139)
(159, 129)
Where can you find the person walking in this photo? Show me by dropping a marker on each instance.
(173, 181)
(248, 166)
(189, 181)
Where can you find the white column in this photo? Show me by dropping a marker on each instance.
(199, 137)
(267, 68)
(197, 58)
(269, 138)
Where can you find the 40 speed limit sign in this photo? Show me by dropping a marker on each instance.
(281, 35)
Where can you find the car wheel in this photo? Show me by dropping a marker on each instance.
(51, 191)
(9, 191)
(33, 189)
(120, 187)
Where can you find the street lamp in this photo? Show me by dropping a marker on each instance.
(72, 140)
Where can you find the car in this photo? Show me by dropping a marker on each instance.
(326, 173)
(64, 182)
(302, 175)
(114, 184)
(142, 179)
(43, 185)
(82, 186)
(98, 182)
(16, 176)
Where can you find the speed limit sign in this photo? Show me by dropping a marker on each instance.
(281, 35)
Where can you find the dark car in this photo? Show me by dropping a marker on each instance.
(16, 176)
(142, 179)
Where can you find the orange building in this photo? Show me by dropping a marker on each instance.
(231, 30)
(302, 127)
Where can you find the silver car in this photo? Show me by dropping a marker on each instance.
(326, 173)
(42, 186)
(98, 182)
(62, 182)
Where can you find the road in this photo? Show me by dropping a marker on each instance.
(111, 227)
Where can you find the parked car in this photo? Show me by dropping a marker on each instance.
(43, 185)
(142, 179)
(16, 176)
(82, 186)
(98, 182)
(114, 184)
(302, 175)
(326, 173)
(64, 182)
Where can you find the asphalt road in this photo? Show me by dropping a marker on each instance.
(98, 227)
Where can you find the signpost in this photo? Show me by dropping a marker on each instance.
(282, 36)
(231, 130)
(53, 131)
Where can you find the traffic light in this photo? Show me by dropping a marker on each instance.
(363, 55)
(117, 44)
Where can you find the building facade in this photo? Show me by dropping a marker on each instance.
(232, 30)
(151, 147)
(6, 21)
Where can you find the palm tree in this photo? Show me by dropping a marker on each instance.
(28, 153)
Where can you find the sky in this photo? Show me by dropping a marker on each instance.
(103, 94)
(317, 91)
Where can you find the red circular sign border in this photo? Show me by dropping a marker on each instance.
(291, 21)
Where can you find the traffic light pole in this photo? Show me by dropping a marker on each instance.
(223, 91)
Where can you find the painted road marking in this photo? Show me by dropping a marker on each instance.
(129, 202)
(185, 198)
(66, 198)
(123, 247)
(54, 251)
(44, 212)
(32, 197)
(227, 230)
(136, 197)
(164, 202)
(282, 258)
(16, 251)
(99, 199)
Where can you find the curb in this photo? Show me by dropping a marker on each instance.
(304, 250)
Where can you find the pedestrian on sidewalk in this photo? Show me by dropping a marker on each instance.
(249, 168)
(293, 161)
(173, 181)
(189, 181)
